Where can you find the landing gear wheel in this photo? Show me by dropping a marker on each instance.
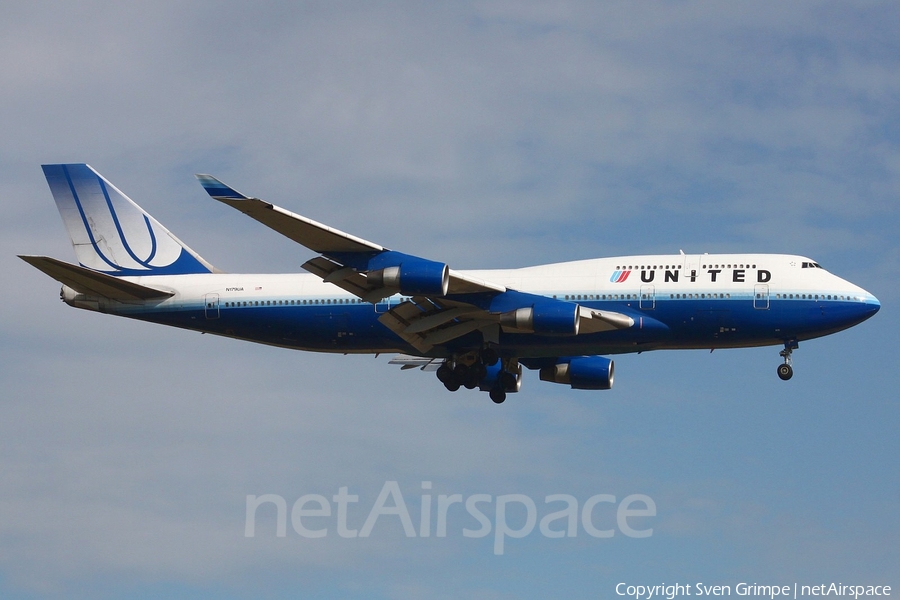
(461, 371)
(498, 395)
(444, 373)
(451, 385)
(785, 372)
(489, 357)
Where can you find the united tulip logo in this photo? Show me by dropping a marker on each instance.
(619, 276)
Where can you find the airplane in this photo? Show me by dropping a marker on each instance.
(474, 328)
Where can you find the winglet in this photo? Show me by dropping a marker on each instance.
(217, 189)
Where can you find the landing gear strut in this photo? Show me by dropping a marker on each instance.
(785, 371)
(505, 381)
(489, 356)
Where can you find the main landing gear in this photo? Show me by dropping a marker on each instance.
(461, 375)
(505, 381)
(470, 370)
(785, 371)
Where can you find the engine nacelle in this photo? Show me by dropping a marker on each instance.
(582, 373)
(556, 318)
(413, 277)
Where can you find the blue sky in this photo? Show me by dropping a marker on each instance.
(496, 134)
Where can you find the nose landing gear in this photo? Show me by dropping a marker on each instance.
(785, 371)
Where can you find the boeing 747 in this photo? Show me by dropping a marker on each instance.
(476, 329)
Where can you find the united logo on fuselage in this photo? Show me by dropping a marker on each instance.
(619, 276)
(738, 275)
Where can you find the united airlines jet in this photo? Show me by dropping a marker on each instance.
(474, 328)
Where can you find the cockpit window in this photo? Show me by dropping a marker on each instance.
(811, 265)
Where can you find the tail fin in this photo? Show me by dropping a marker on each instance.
(112, 234)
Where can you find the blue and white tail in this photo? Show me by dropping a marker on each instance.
(112, 234)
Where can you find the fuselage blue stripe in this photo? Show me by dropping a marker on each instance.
(336, 326)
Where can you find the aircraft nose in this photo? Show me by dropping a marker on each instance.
(854, 309)
(872, 305)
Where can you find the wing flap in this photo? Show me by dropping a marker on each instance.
(430, 321)
(461, 283)
(425, 323)
(597, 321)
(422, 363)
(343, 277)
(445, 334)
(94, 283)
(401, 317)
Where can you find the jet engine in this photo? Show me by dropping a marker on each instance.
(413, 277)
(581, 372)
(556, 318)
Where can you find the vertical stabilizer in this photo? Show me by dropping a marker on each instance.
(112, 234)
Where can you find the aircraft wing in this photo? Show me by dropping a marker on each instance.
(324, 240)
(443, 304)
(315, 236)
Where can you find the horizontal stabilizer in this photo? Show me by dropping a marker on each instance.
(93, 283)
